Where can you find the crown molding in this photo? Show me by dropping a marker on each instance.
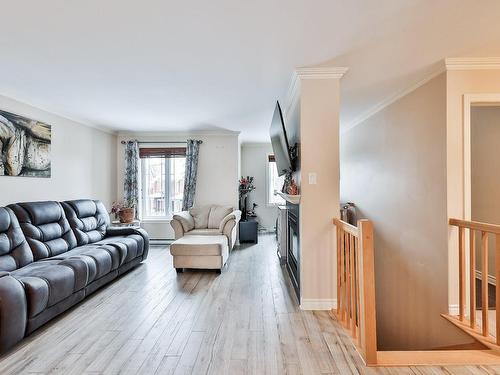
(174, 134)
(332, 72)
(472, 63)
(49, 111)
(293, 93)
(390, 100)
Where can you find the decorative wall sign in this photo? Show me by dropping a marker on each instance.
(24, 146)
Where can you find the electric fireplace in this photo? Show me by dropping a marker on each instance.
(293, 248)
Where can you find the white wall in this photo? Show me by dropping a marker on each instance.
(217, 171)
(319, 204)
(254, 163)
(83, 162)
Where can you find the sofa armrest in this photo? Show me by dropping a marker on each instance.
(185, 219)
(127, 231)
(235, 216)
(228, 226)
(13, 311)
(177, 227)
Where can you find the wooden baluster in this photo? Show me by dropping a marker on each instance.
(497, 297)
(472, 277)
(484, 283)
(358, 315)
(344, 275)
(341, 297)
(353, 285)
(338, 268)
(461, 273)
(348, 280)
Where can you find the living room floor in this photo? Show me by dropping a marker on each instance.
(155, 321)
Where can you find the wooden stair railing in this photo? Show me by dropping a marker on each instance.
(356, 286)
(468, 323)
(356, 300)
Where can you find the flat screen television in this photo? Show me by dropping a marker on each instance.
(279, 140)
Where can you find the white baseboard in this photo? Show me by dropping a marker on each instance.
(318, 304)
(453, 310)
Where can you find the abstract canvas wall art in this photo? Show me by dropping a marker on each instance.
(24, 146)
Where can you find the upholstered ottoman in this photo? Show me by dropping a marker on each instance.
(199, 251)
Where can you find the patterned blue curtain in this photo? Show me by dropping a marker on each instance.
(131, 180)
(192, 151)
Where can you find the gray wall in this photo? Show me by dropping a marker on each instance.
(393, 167)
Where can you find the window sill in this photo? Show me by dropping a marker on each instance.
(149, 220)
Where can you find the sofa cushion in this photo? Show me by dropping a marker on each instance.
(14, 249)
(217, 213)
(88, 219)
(203, 232)
(99, 259)
(45, 227)
(200, 216)
(199, 245)
(50, 281)
(133, 244)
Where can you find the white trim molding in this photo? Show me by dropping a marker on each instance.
(472, 63)
(293, 94)
(326, 72)
(318, 304)
(455, 63)
(492, 280)
(469, 101)
(390, 100)
(453, 310)
(173, 134)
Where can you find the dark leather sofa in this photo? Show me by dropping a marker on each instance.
(53, 255)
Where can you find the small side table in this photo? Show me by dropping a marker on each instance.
(248, 231)
(134, 224)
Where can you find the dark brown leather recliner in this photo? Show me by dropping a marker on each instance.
(52, 255)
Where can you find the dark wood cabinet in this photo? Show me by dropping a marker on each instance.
(249, 231)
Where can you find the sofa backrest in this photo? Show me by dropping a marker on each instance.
(14, 249)
(45, 227)
(209, 216)
(88, 219)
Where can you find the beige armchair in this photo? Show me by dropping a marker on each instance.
(207, 220)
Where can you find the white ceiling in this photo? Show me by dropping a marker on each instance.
(220, 64)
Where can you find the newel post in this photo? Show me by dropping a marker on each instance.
(367, 300)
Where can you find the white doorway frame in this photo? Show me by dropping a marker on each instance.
(471, 100)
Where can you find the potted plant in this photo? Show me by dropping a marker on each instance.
(125, 211)
(245, 187)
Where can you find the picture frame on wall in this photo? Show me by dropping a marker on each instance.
(25, 146)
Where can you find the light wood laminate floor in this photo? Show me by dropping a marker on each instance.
(154, 321)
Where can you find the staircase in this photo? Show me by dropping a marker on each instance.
(356, 298)
(479, 324)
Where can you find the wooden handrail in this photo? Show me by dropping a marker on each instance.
(356, 285)
(476, 225)
(471, 227)
(346, 227)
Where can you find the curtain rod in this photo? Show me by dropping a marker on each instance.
(124, 142)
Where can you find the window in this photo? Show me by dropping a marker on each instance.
(274, 182)
(162, 171)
